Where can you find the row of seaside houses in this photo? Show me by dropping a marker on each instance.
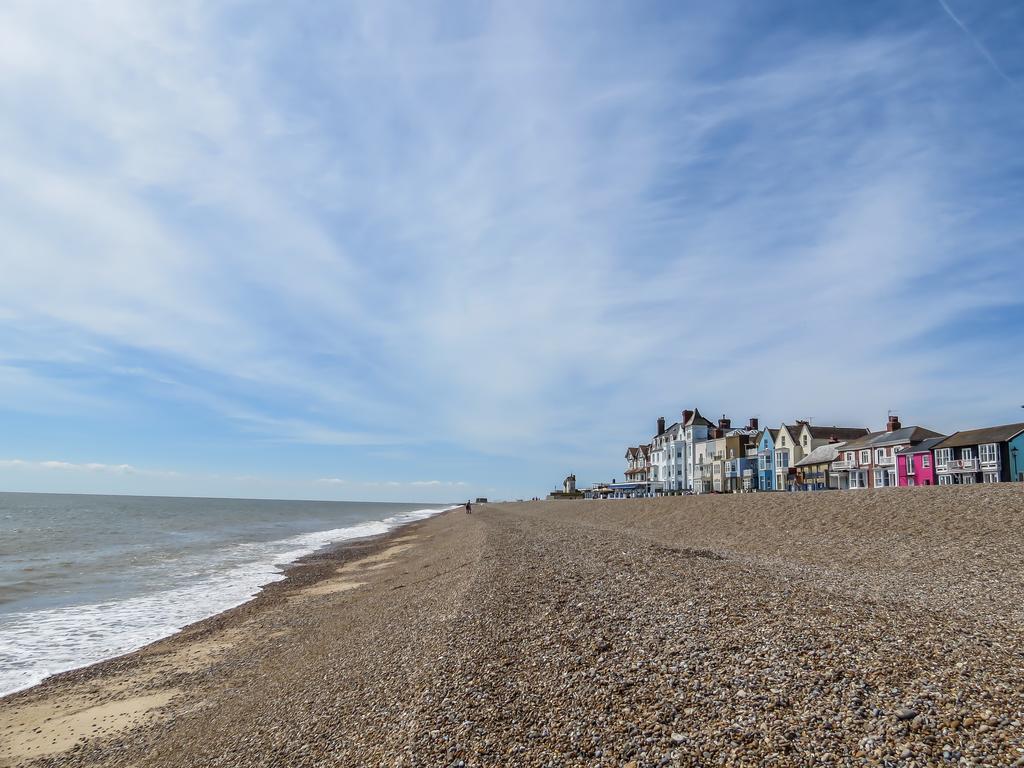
(696, 455)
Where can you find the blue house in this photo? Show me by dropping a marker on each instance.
(766, 459)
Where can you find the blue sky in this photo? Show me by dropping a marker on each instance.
(425, 251)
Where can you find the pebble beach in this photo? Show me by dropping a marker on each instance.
(873, 628)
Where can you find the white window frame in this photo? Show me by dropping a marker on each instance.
(910, 482)
(968, 480)
(945, 479)
(989, 453)
(926, 461)
(909, 464)
(991, 477)
(943, 456)
(865, 456)
(880, 475)
(967, 454)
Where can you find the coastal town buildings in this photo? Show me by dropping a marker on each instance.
(638, 465)
(695, 431)
(870, 462)
(695, 455)
(990, 455)
(795, 441)
(915, 464)
(787, 453)
(814, 471)
(667, 470)
(766, 459)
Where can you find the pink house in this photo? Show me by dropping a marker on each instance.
(915, 464)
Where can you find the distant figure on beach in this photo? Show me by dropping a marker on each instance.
(469, 508)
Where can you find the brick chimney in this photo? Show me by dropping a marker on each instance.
(894, 424)
(661, 425)
(686, 416)
(752, 426)
(724, 423)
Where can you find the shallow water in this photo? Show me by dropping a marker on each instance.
(85, 578)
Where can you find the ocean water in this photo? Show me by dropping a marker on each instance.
(86, 578)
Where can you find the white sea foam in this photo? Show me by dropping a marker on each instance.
(37, 644)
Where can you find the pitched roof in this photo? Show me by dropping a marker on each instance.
(923, 447)
(883, 437)
(904, 435)
(696, 420)
(998, 434)
(821, 454)
(862, 442)
(631, 452)
(840, 433)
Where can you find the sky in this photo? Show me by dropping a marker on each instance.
(430, 251)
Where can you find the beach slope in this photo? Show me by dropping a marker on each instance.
(861, 628)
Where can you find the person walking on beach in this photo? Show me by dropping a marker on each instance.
(469, 508)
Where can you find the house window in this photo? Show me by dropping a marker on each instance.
(967, 454)
(968, 480)
(989, 454)
(991, 477)
(879, 455)
(865, 457)
(926, 461)
(943, 456)
(849, 455)
(880, 478)
(910, 465)
(910, 482)
(945, 479)
(805, 441)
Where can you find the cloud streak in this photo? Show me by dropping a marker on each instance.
(977, 43)
(497, 239)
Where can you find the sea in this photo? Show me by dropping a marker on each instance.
(87, 578)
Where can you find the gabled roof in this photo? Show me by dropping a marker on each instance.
(631, 452)
(791, 429)
(821, 454)
(696, 420)
(839, 433)
(998, 434)
(645, 450)
(923, 447)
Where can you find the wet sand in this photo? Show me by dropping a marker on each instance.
(874, 628)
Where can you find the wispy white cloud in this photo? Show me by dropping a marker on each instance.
(92, 466)
(487, 232)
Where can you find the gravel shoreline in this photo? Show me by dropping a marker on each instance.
(861, 628)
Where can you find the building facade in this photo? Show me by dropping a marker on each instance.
(870, 462)
(766, 459)
(695, 431)
(814, 471)
(915, 464)
(990, 455)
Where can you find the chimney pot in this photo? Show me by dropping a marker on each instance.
(661, 425)
(723, 423)
(686, 415)
(753, 424)
(894, 424)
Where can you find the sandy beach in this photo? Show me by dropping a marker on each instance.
(860, 628)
